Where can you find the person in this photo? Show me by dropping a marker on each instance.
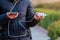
(25, 12)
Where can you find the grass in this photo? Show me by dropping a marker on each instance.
(54, 30)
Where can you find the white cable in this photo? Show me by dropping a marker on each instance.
(13, 6)
(19, 35)
(18, 22)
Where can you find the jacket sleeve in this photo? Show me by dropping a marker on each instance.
(30, 16)
(3, 19)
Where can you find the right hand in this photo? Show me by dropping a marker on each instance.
(11, 16)
(37, 17)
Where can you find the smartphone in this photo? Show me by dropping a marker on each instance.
(42, 14)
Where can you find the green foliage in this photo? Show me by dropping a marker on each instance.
(53, 15)
(54, 30)
(49, 20)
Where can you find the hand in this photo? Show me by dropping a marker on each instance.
(37, 17)
(12, 16)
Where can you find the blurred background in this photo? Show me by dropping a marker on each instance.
(50, 23)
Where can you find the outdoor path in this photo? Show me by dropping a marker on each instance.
(39, 33)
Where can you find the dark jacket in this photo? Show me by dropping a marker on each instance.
(20, 25)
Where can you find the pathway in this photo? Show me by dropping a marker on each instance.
(39, 33)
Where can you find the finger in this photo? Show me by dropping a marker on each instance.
(16, 15)
(8, 12)
(37, 12)
(42, 17)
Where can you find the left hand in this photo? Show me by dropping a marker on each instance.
(38, 17)
(12, 16)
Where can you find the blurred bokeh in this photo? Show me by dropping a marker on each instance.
(51, 22)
